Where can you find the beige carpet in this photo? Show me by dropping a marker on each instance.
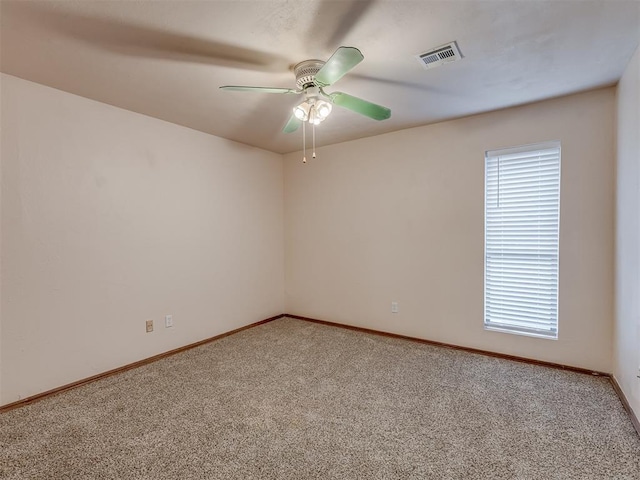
(297, 400)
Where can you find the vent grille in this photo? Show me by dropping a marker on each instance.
(439, 56)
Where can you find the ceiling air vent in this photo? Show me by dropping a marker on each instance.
(439, 56)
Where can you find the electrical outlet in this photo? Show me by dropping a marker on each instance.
(394, 307)
(149, 326)
(168, 321)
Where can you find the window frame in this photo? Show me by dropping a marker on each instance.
(492, 154)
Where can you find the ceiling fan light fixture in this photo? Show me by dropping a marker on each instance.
(301, 111)
(323, 109)
(312, 110)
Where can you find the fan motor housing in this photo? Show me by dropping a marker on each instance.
(306, 73)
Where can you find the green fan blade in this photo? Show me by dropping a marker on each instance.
(241, 88)
(368, 109)
(292, 125)
(342, 60)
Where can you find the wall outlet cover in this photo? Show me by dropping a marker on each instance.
(149, 326)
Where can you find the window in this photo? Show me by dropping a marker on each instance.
(522, 210)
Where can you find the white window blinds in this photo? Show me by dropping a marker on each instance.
(522, 210)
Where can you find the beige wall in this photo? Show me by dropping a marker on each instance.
(110, 218)
(627, 324)
(2, 77)
(400, 217)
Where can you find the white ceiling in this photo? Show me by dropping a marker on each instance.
(167, 58)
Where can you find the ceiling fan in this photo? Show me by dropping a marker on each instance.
(312, 76)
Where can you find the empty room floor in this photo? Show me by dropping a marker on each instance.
(292, 399)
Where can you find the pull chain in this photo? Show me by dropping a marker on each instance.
(304, 144)
(498, 186)
(313, 155)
